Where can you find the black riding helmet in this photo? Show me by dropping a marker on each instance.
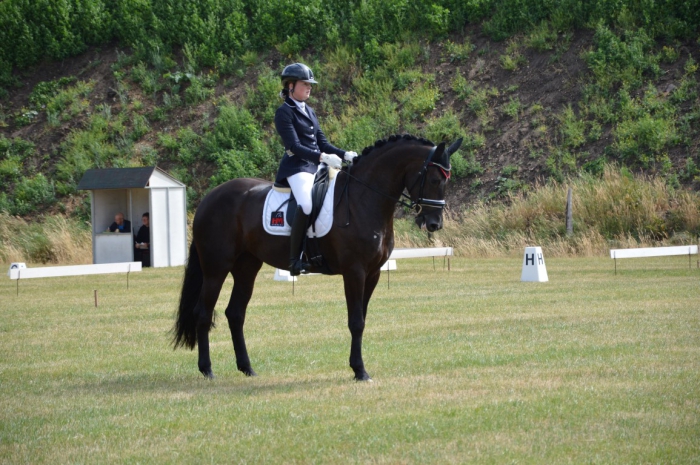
(298, 72)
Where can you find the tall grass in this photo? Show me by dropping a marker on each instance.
(617, 210)
(55, 239)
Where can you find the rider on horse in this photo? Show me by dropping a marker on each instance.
(305, 148)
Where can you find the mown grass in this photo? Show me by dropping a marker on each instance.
(470, 365)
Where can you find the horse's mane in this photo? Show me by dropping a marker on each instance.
(396, 138)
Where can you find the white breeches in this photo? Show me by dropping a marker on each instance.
(301, 184)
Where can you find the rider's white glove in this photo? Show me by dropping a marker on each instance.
(350, 157)
(331, 160)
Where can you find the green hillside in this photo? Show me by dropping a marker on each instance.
(543, 92)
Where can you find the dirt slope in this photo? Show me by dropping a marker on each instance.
(543, 85)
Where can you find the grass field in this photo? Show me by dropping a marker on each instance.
(469, 365)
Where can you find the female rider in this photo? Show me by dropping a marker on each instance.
(305, 148)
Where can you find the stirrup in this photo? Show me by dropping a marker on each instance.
(297, 266)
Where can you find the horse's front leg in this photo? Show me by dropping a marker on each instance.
(244, 272)
(356, 287)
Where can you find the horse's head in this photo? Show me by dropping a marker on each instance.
(427, 190)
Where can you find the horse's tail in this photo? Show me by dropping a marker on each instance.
(185, 330)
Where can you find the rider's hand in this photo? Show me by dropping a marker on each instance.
(350, 157)
(331, 160)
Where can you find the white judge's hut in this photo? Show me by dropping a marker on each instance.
(134, 191)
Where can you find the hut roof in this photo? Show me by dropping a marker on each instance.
(121, 178)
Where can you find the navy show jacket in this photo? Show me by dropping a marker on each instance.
(125, 229)
(302, 137)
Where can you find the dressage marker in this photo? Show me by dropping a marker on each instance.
(534, 268)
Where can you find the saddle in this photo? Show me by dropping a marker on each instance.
(310, 248)
(318, 193)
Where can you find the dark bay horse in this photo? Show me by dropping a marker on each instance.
(228, 237)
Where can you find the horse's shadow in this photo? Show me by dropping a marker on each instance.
(146, 383)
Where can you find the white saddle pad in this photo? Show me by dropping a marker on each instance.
(275, 218)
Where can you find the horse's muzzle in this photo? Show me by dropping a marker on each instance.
(431, 222)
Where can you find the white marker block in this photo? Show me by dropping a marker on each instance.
(283, 275)
(390, 265)
(534, 269)
(16, 266)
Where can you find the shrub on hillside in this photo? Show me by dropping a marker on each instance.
(235, 146)
(621, 59)
(31, 194)
(93, 147)
(263, 100)
(14, 155)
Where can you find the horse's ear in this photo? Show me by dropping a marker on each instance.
(442, 156)
(454, 147)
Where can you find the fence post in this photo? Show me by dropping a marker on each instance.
(569, 214)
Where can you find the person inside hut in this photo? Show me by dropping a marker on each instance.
(120, 224)
(142, 242)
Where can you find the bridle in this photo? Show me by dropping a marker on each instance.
(423, 175)
(420, 202)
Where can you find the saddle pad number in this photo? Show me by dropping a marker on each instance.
(277, 219)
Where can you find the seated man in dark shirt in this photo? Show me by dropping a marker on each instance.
(120, 224)
(143, 242)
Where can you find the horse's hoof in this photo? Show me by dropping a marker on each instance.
(363, 377)
(208, 373)
(248, 371)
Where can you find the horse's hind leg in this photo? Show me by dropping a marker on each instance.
(204, 310)
(244, 272)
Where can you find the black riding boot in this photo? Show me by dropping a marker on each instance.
(299, 226)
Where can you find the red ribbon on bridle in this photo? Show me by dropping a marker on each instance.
(445, 172)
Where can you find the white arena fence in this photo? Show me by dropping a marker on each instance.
(644, 252)
(445, 252)
(75, 270)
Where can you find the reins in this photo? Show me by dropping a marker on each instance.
(420, 202)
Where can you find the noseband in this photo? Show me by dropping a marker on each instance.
(420, 202)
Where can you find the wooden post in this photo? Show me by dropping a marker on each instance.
(95, 298)
(569, 214)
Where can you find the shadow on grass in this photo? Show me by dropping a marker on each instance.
(189, 385)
